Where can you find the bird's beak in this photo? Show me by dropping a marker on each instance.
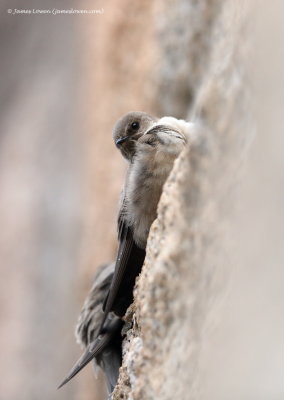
(121, 140)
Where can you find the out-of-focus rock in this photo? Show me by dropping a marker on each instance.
(192, 333)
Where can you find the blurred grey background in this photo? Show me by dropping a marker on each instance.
(41, 156)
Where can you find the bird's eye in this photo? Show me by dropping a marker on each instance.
(135, 125)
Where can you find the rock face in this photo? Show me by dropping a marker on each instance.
(183, 313)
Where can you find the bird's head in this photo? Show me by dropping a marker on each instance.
(129, 129)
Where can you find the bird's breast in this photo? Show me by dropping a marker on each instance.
(145, 186)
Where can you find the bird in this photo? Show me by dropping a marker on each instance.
(129, 128)
(150, 146)
(103, 347)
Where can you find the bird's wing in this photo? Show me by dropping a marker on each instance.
(91, 315)
(126, 244)
(156, 129)
(95, 348)
(128, 265)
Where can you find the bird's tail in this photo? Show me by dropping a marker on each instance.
(97, 348)
(92, 351)
(110, 363)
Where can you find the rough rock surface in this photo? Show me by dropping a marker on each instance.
(189, 252)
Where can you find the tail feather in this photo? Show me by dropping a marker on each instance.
(98, 348)
(92, 351)
(110, 363)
